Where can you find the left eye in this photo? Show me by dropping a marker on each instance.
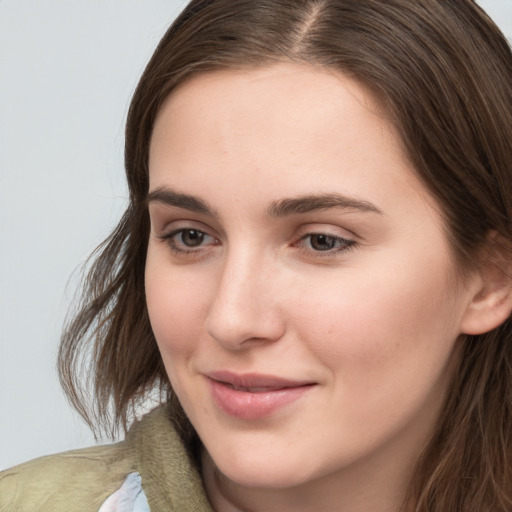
(321, 242)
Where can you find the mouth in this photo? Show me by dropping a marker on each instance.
(261, 389)
(254, 396)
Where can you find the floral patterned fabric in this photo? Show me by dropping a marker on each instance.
(128, 498)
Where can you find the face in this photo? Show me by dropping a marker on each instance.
(299, 281)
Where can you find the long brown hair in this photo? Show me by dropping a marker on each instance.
(443, 71)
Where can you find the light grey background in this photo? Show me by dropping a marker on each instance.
(67, 71)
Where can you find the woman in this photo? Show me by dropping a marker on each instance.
(314, 270)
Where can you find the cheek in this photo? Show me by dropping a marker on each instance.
(388, 351)
(381, 329)
(177, 305)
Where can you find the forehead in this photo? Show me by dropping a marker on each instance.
(289, 127)
(266, 93)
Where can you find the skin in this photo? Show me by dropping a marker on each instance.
(372, 315)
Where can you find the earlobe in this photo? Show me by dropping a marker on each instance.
(491, 305)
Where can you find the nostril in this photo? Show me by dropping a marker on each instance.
(243, 311)
(241, 331)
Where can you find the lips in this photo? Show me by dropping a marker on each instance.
(254, 396)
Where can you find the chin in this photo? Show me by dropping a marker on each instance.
(268, 478)
(262, 468)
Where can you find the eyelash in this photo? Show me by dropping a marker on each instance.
(169, 240)
(343, 244)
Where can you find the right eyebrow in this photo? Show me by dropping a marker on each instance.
(170, 197)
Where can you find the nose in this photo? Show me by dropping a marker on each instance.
(246, 308)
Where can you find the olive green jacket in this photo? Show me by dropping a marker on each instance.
(81, 480)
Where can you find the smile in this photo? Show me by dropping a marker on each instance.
(253, 389)
(253, 396)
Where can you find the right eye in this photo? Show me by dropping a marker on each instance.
(187, 240)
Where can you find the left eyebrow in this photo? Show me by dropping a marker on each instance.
(310, 203)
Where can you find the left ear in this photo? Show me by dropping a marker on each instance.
(491, 303)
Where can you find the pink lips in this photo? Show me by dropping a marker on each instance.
(253, 396)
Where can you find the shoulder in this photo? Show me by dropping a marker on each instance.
(78, 480)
